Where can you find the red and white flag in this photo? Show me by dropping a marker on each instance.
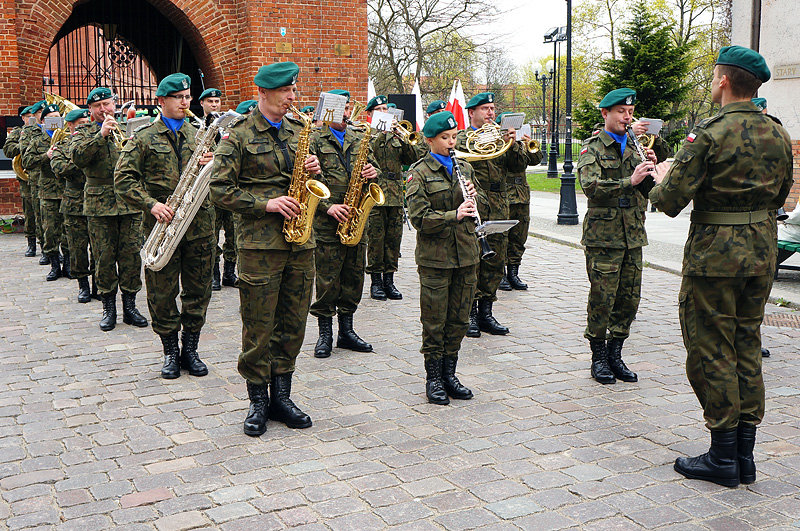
(418, 98)
(457, 105)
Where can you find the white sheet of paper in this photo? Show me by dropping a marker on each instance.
(512, 120)
(524, 130)
(495, 226)
(655, 125)
(51, 123)
(382, 121)
(397, 113)
(330, 108)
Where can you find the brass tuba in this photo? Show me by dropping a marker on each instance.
(16, 163)
(64, 107)
(484, 144)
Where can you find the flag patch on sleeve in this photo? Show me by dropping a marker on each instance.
(584, 150)
(225, 135)
(691, 137)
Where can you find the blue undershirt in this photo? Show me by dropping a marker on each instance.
(49, 133)
(445, 161)
(276, 125)
(621, 139)
(172, 124)
(339, 135)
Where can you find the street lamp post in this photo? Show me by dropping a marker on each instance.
(568, 207)
(554, 35)
(544, 79)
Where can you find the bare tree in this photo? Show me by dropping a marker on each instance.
(595, 20)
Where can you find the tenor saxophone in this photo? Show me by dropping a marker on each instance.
(306, 190)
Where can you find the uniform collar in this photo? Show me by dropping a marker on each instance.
(434, 164)
(739, 106)
(262, 125)
(608, 141)
(161, 127)
(349, 137)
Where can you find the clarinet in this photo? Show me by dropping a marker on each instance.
(638, 145)
(486, 251)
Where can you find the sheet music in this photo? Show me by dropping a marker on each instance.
(397, 113)
(51, 123)
(382, 121)
(512, 120)
(655, 125)
(524, 130)
(330, 108)
(496, 226)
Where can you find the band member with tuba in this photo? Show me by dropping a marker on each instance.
(12, 149)
(253, 167)
(340, 267)
(148, 171)
(114, 226)
(616, 182)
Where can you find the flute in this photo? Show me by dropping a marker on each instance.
(486, 251)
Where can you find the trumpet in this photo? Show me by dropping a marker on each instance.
(484, 144)
(117, 134)
(405, 132)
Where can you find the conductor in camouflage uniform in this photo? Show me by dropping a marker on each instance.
(147, 173)
(11, 148)
(114, 227)
(340, 268)
(447, 255)
(75, 224)
(616, 182)
(736, 168)
(253, 167)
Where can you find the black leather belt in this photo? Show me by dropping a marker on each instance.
(393, 176)
(620, 202)
(497, 187)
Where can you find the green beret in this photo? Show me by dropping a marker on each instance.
(761, 103)
(391, 105)
(480, 99)
(26, 110)
(246, 106)
(746, 59)
(277, 75)
(435, 106)
(621, 96)
(210, 93)
(307, 108)
(377, 100)
(38, 106)
(76, 114)
(340, 92)
(441, 121)
(49, 109)
(173, 83)
(99, 94)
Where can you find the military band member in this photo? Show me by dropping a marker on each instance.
(761, 103)
(736, 168)
(434, 107)
(253, 167)
(447, 256)
(616, 183)
(31, 130)
(12, 148)
(308, 110)
(340, 268)
(147, 173)
(114, 227)
(75, 224)
(246, 107)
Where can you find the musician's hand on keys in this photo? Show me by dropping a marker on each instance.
(641, 171)
(651, 155)
(51, 152)
(162, 212)
(108, 125)
(339, 212)
(369, 171)
(511, 134)
(284, 205)
(661, 171)
(640, 127)
(470, 188)
(526, 138)
(312, 165)
(466, 210)
(206, 157)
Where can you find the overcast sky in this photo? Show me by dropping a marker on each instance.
(525, 22)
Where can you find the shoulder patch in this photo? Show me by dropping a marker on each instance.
(143, 126)
(702, 124)
(691, 137)
(584, 150)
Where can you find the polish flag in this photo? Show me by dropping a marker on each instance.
(456, 105)
(420, 114)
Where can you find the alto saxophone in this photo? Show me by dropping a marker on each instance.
(185, 201)
(306, 190)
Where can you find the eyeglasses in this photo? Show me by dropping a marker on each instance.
(185, 97)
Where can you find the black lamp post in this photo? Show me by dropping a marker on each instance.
(544, 79)
(568, 207)
(554, 35)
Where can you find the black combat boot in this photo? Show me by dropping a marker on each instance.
(325, 341)
(31, 250)
(513, 278)
(434, 386)
(83, 290)
(229, 274)
(504, 285)
(600, 369)
(618, 366)
(719, 465)
(130, 315)
(764, 353)
(486, 320)
(281, 407)
(44, 259)
(473, 330)
(745, 442)
(190, 361)
(348, 338)
(389, 288)
(215, 285)
(66, 271)
(109, 320)
(452, 386)
(55, 268)
(172, 367)
(376, 289)
(256, 422)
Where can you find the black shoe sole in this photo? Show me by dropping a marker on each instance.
(607, 382)
(628, 380)
(460, 397)
(371, 296)
(292, 425)
(747, 480)
(322, 355)
(216, 288)
(353, 347)
(131, 323)
(108, 328)
(255, 432)
(473, 334)
(494, 332)
(444, 402)
(730, 483)
(170, 376)
(395, 298)
(198, 374)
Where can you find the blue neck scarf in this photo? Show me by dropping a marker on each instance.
(445, 161)
(49, 133)
(276, 125)
(621, 139)
(172, 123)
(339, 135)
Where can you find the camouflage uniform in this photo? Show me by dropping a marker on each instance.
(114, 227)
(147, 172)
(519, 207)
(223, 220)
(275, 277)
(613, 235)
(737, 169)
(50, 188)
(29, 134)
(12, 148)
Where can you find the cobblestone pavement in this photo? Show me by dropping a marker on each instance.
(91, 437)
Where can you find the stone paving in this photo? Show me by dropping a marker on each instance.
(92, 438)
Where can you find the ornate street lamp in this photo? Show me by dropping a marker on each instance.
(568, 207)
(554, 35)
(545, 79)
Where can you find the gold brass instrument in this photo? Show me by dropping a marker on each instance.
(533, 146)
(16, 163)
(304, 188)
(118, 135)
(405, 132)
(640, 149)
(484, 144)
(64, 107)
(645, 139)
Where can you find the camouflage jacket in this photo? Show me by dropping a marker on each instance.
(433, 197)
(73, 178)
(392, 154)
(11, 147)
(30, 134)
(149, 168)
(615, 217)
(250, 169)
(335, 175)
(737, 161)
(35, 160)
(519, 191)
(96, 156)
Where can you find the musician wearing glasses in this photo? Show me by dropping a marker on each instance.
(148, 171)
(253, 167)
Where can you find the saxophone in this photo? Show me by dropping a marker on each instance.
(185, 201)
(359, 198)
(306, 190)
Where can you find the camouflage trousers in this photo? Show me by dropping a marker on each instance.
(721, 324)
(116, 241)
(518, 234)
(37, 213)
(385, 232)
(615, 276)
(445, 299)
(274, 294)
(223, 220)
(55, 236)
(27, 209)
(340, 278)
(188, 274)
(77, 229)
(491, 271)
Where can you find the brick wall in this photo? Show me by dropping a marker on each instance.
(10, 200)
